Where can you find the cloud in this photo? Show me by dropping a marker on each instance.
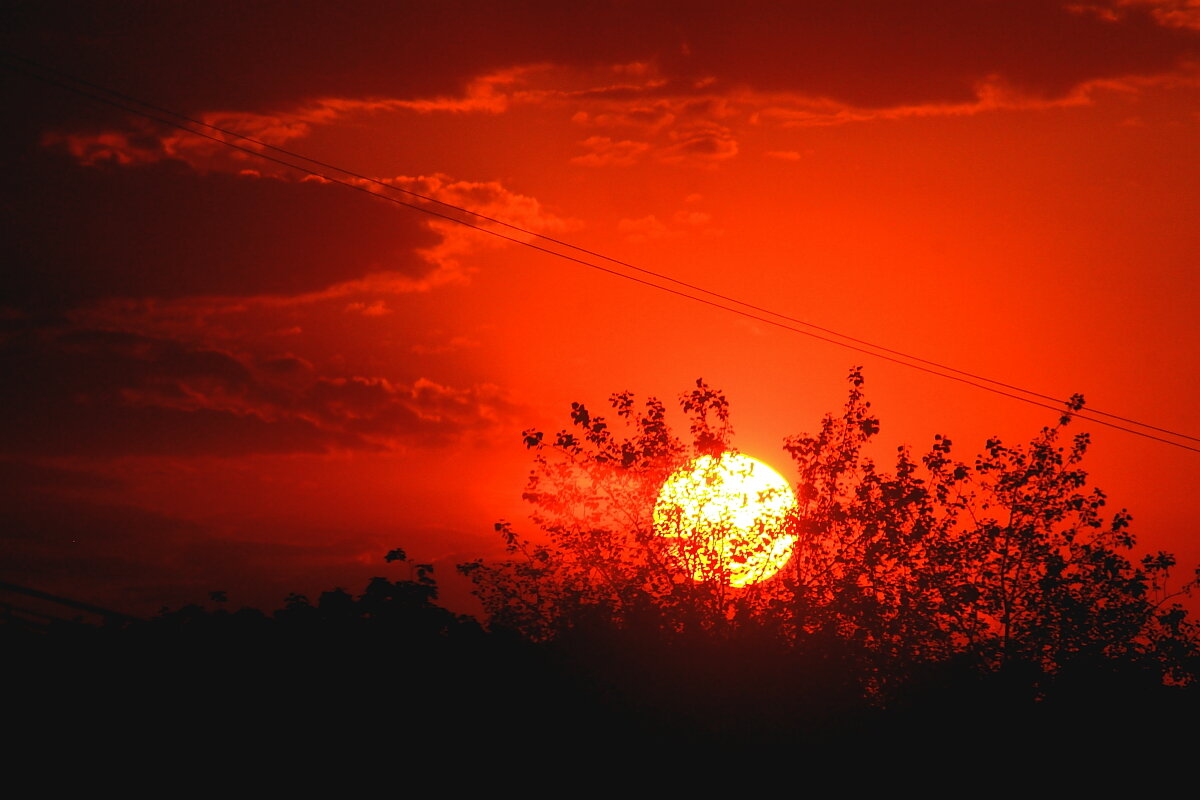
(989, 95)
(605, 152)
(164, 231)
(489, 93)
(878, 54)
(165, 228)
(643, 229)
(110, 393)
(141, 140)
(453, 344)
(21, 477)
(707, 145)
(694, 122)
(646, 118)
(376, 308)
(381, 411)
(189, 56)
(1171, 13)
(489, 200)
(668, 121)
(651, 228)
(630, 73)
(476, 56)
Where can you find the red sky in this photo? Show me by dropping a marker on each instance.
(218, 375)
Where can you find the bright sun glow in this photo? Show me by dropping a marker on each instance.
(727, 515)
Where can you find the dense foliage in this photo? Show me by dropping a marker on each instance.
(1004, 562)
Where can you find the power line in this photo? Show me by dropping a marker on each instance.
(124, 100)
(586, 251)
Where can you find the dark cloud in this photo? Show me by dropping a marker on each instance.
(286, 365)
(103, 393)
(75, 234)
(878, 53)
(20, 477)
(868, 53)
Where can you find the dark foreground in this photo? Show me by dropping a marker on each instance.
(404, 681)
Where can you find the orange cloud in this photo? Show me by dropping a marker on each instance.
(990, 95)
(374, 309)
(605, 152)
(650, 228)
(488, 199)
(490, 93)
(700, 144)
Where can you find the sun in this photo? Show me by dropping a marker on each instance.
(727, 518)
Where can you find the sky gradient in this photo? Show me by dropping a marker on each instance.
(221, 374)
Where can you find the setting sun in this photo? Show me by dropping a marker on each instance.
(728, 515)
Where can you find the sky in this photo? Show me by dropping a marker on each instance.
(218, 373)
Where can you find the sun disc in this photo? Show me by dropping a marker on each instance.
(727, 517)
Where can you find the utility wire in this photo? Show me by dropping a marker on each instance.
(123, 103)
(584, 250)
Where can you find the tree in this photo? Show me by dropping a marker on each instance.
(592, 490)
(1005, 562)
(1005, 559)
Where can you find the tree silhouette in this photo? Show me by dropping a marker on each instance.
(1002, 564)
(593, 489)
(1004, 559)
